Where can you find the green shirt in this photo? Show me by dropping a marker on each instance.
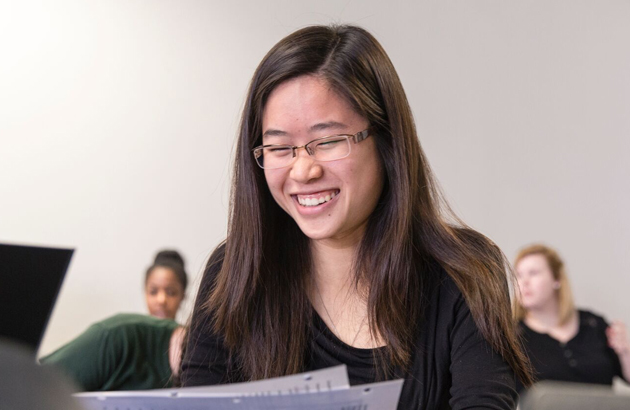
(123, 352)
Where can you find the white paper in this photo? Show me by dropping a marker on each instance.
(332, 378)
(326, 389)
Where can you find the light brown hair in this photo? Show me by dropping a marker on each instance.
(259, 304)
(556, 265)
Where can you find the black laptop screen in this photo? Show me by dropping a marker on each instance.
(30, 279)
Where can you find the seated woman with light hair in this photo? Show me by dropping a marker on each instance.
(564, 343)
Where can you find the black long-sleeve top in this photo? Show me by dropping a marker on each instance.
(453, 366)
(586, 358)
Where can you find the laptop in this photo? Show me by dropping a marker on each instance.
(30, 280)
(552, 395)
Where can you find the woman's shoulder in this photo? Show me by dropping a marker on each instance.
(443, 290)
(130, 326)
(442, 283)
(591, 319)
(447, 285)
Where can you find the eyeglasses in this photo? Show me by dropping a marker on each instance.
(323, 149)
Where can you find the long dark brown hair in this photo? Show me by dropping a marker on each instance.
(259, 301)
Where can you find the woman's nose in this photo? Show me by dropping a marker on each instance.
(305, 168)
(161, 298)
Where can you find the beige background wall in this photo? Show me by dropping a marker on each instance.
(117, 123)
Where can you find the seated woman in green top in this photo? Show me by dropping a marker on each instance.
(123, 352)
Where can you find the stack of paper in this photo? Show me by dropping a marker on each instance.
(326, 389)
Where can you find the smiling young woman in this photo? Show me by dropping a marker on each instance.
(305, 109)
(337, 249)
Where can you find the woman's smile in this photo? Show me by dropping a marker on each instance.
(316, 199)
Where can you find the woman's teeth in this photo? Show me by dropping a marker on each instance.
(314, 201)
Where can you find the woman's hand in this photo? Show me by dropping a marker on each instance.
(618, 338)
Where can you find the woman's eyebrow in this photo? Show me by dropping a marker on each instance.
(274, 133)
(328, 125)
(322, 126)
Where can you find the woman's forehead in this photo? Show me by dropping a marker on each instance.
(308, 105)
(533, 260)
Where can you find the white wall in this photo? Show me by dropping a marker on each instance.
(117, 122)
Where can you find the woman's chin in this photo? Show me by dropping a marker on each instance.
(316, 235)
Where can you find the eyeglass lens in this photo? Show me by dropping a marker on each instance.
(325, 149)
